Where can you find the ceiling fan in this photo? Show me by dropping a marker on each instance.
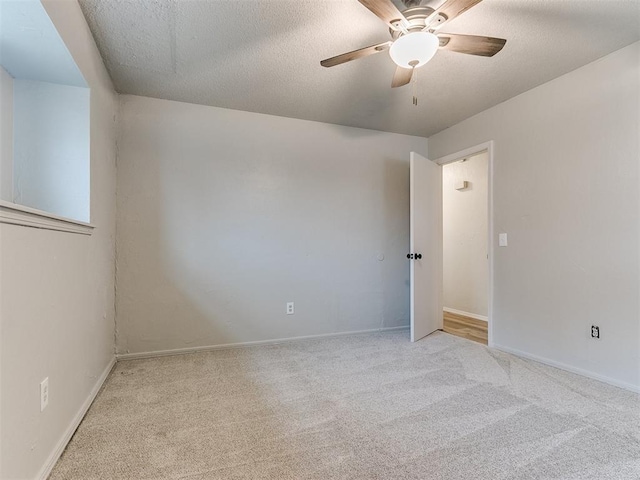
(416, 37)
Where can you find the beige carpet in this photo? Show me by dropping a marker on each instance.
(354, 407)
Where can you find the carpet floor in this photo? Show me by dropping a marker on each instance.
(354, 407)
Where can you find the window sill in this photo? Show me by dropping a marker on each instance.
(14, 214)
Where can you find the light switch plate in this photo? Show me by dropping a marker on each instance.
(502, 239)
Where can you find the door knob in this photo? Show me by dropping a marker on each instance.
(418, 256)
(409, 255)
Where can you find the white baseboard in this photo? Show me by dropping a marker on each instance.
(45, 471)
(562, 366)
(206, 348)
(466, 314)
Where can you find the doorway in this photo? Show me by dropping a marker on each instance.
(467, 246)
(426, 248)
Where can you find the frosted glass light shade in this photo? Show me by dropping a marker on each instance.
(414, 47)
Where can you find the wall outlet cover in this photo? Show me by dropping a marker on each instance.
(290, 309)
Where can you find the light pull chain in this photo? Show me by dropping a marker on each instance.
(415, 87)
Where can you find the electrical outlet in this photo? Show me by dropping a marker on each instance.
(290, 308)
(595, 331)
(44, 394)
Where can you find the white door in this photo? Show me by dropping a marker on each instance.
(425, 254)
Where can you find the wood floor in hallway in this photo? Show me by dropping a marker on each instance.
(465, 327)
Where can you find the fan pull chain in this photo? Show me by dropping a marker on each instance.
(415, 87)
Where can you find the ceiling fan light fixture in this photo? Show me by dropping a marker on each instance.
(414, 49)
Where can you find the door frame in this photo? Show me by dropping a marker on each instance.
(468, 152)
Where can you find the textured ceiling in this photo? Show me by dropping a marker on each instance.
(264, 56)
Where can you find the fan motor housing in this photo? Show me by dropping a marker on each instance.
(417, 17)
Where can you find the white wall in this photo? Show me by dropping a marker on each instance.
(6, 135)
(566, 191)
(32, 49)
(57, 291)
(51, 148)
(465, 231)
(224, 216)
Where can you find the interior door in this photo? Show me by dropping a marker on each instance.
(425, 254)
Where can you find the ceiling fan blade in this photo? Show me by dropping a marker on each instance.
(387, 12)
(451, 9)
(401, 77)
(471, 44)
(363, 52)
